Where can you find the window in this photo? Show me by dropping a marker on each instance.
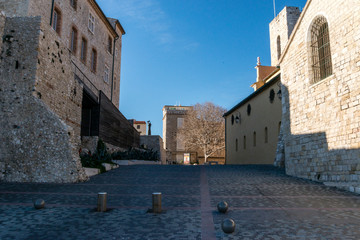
(138, 126)
(236, 145)
(278, 43)
(56, 24)
(83, 50)
(180, 122)
(109, 48)
(106, 74)
(91, 25)
(73, 40)
(254, 140)
(93, 60)
(73, 4)
(248, 109)
(272, 95)
(232, 119)
(244, 142)
(266, 135)
(320, 50)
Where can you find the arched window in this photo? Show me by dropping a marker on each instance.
(266, 135)
(244, 142)
(320, 49)
(254, 140)
(278, 43)
(236, 145)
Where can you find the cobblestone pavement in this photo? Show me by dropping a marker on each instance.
(264, 202)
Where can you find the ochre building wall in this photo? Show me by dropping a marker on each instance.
(322, 120)
(264, 114)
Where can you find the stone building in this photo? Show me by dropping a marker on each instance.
(60, 83)
(140, 126)
(176, 152)
(252, 126)
(320, 72)
(173, 119)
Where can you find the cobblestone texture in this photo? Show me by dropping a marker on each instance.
(264, 202)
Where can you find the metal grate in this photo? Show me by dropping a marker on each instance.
(320, 49)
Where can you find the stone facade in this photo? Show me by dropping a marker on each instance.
(321, 121)
(280, 30)
(42, 100)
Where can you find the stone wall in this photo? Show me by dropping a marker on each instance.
(14, 8)
(2, 26)
(35, 145)
(154, 142)
(282, 26)
(322, 121)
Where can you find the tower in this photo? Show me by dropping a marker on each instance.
(281, 28)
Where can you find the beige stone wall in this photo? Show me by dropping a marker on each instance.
(322, 120)
(263, 114)
(282, 26)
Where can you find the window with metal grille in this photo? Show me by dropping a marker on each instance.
(320, 50)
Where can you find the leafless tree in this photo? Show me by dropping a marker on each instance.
(204, 129)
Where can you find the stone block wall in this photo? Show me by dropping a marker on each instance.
(282, 26)
(35, 145)
(322, 121)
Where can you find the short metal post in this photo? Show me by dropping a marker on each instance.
(156, 201)
(101, 204)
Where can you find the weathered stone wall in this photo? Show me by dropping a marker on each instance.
(282, 26)
(14, 8)
(35, 145)
(154, 142)
(322, 121)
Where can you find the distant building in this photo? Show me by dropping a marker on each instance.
(252, 126)
(140, 126)
(173, 120)
(176, 152)
(60, 86)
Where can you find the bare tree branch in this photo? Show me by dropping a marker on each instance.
(204, 129)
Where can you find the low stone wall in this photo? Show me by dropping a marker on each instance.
(136, 162)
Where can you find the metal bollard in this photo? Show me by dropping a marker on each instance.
(156, 201)
(101, 204)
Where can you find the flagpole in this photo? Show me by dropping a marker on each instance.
(274, 9)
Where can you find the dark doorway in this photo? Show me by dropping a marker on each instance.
(89, 115)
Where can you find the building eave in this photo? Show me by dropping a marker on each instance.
(273, 78)
(102, 16)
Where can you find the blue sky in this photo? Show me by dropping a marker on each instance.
(190, 51)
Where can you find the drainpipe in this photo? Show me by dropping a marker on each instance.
(112, 71)
(52, 12)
